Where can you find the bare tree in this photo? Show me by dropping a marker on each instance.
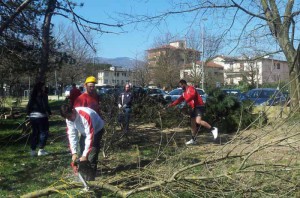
(209, 45)
(141, 73)
(167, 69)
(45, 40)
(270, 20)
(11, 18)
(251, 74)
(49, 8)
(79, 52)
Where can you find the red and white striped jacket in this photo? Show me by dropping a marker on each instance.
(88, 123)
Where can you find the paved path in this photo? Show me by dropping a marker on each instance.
(55, 97)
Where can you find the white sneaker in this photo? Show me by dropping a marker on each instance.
(215, 132)
(191, 142)
(32, 153)
(42, 152)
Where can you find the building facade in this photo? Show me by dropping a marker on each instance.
(175, 54)
(254, 71)
(115, 76)
(213, 74)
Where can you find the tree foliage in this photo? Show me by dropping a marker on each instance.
(227, 113)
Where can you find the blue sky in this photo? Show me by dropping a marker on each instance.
(139, 37)
(136, 39)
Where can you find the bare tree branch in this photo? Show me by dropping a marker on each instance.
(14, 15)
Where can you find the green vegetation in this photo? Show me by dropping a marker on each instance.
(258, 162)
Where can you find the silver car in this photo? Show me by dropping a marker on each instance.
(176, 93)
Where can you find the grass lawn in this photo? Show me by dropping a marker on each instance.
(259, 162)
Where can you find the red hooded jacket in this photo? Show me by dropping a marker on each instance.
(191, 97)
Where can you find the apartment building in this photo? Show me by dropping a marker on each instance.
(175, 53)
(213, 74)
(258, 71)
(116, 76)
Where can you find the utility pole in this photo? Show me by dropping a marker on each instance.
(257, 72)
(55, 82)
(202, 61)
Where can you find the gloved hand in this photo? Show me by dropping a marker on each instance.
(120, 106)
(74, 157)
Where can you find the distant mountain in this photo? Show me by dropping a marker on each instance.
(119, 61)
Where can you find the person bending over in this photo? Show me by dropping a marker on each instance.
(86, 123)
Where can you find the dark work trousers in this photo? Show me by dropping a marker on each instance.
(127, 112)
(124, 118)
(40, 130)
(93, 155)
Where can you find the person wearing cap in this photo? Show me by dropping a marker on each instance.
(89, 98)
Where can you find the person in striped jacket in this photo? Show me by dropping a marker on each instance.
(84, 128)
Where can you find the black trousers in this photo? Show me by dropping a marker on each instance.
(40, 130)
(93, 155)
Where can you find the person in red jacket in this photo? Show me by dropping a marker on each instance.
(194, 100)
(74, 93)
(89, 98)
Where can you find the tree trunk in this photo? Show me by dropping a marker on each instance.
(295, 81)
(45, 41)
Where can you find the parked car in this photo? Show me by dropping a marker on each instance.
(156, 92)
(236, 93)
(231, 92)
(176, 93)
(138, 91)
(266, 96)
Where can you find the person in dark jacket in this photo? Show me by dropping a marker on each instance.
(124, 104)
(38, 111)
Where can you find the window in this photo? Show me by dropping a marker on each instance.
(278, 65)
(231, 66)
(106, 73)
(185, 74)
(105, 81)
(242, 67)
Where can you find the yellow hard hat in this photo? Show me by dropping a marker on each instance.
(90, 79)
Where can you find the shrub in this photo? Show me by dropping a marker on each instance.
(226, 112)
